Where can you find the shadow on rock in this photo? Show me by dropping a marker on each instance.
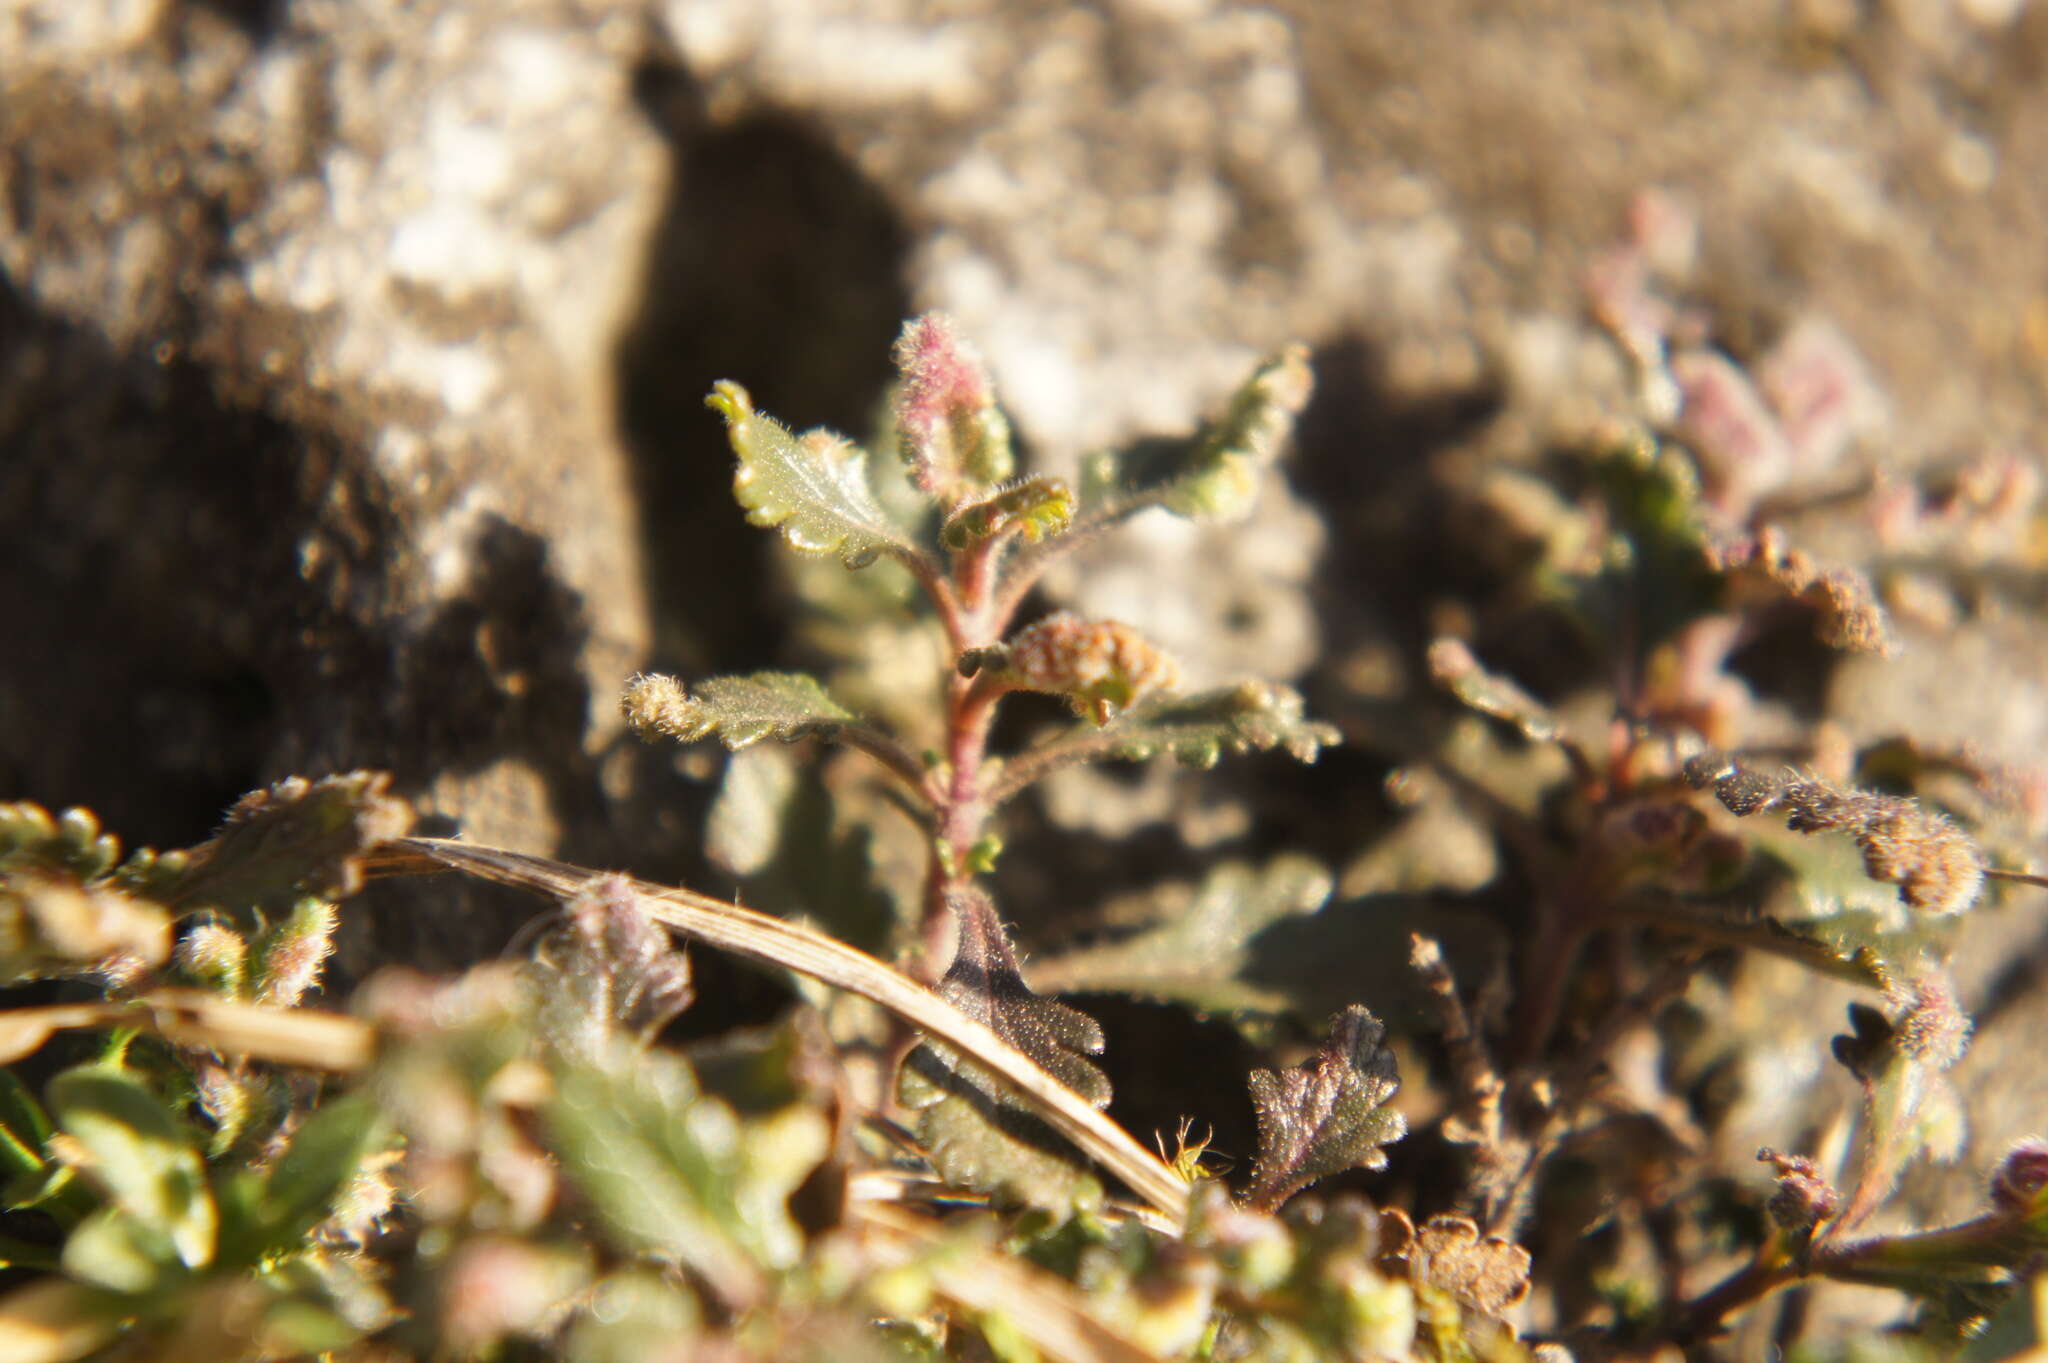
(777, 264)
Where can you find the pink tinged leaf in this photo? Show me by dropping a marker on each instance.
(1822, 393)
(1617, 288)
(1743, 452)
(1666, 230)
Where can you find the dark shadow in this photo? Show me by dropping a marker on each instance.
(202, 598)
(260, 19)
(1366, 458)
(778, 265)
(1167, 1062)
(140, 549)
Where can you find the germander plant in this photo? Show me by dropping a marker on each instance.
(977, 539)
(509, 1163)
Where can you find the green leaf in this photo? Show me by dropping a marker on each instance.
(1327, 1114)
(982, 1141)
(736, 711)
(1199, 942)
(678, 1174)
(1652, 576)
(142, 1154)
(298, 840)
(323, 1158)
(111, 1249)
(24, 1127)
(1253, 716)
(977, 1135)
(1214, 476)
(813, 487)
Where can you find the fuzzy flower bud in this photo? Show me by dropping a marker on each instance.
(1804, 1198)
(216, 958)
(655, 706)
(295, 954)
(1934, 1030)
(954, 438)
(2021, 1178)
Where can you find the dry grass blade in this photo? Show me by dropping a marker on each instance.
(1048, 1311)
(188, 1017)
(774, 942)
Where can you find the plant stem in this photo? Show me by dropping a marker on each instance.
(892, 756)
(962, 804)
(1019, 773)
(1030, 564)
(952, 616)
(1700, 1320)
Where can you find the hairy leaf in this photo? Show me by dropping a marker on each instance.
(1035, 509)
(298, 840)
(1483, 1273)
(295, 952)
(977, 1135)
(986, 983)
(608, 969)
(1194, 950)
(1909, 1105)
(1253, 716)
(1327, 1114)
(1763, 567)
(736, 711)
(142, 1155)
(1215, 475)
(813, 487)
(1939, 870)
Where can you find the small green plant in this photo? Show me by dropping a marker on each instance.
(976, 539)
(509, 1163)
